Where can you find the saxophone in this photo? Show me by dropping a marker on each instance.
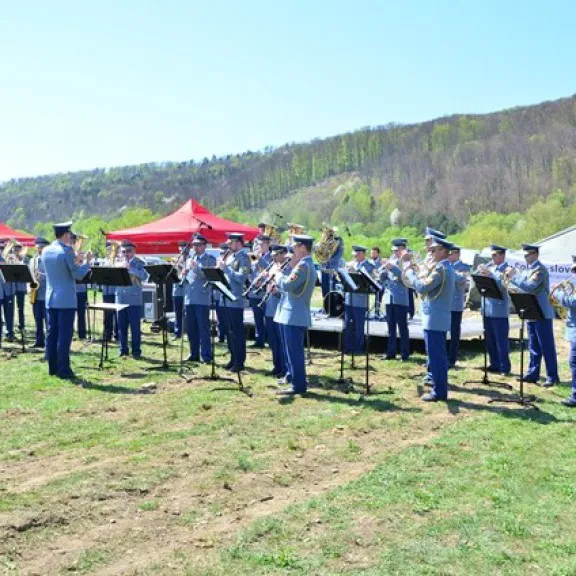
(36, 277)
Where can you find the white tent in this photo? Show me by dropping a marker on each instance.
(559, 247)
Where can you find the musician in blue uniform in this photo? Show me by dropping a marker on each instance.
(356, 305)
(197, 299)
(497, 313)
(273, 331)
(294, 313)
(565, 295)
(255, 296)
(21, 289)
(237, 270)
(437, 291)
(132, 296)
(62, 270)
(461, 285)
(81, 305)
(327, 277)
(396, 300)
(178, 291)
(536, 280)
(219, 303)
(377, 262)
(109, 297)
(9, 289)
(39, 305)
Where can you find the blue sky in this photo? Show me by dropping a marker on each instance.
(107, 83)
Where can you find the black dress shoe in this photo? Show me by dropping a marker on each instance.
(549, 383)
(192, 359)
(236, 369)
(228, 366)
(493, 370)
(389, 358)
(570, 402)
(528, 380)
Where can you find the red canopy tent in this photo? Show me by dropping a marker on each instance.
(162, 236)
(8, 233)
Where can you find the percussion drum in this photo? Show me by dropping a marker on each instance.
(334, 304)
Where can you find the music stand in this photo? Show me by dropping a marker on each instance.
(366, 285)
(528, 308)
(349, 286)
(488, 288)
(107, 276)
(17, 273)
(216, 278)
(162, 274)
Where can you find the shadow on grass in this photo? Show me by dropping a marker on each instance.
(108, 388)
(368, 401)
(522, 413)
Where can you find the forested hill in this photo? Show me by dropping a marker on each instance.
(453, 166)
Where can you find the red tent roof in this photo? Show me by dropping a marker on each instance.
(9, 233)
(162, 236)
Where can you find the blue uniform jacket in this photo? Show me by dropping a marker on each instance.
(196, 293)
(132, 295)
(272, 304)
(437, 290)
(334, 261)
(81, 288)
(237, 270)
(8, 288)
(298, 287)
(569, 302)
(498, 308)
(536, 280)
(286, 271)
(359, 300)
(461, 277)
(396, 291)
(61, 275)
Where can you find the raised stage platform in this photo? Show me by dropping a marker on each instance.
(471, 326)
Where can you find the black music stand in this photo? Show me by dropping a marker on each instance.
(216, 278)
(366, 285)
(17, 273)
(528, 308)
(107, 276)
(349, 286)
(488, 288)
(162, 274)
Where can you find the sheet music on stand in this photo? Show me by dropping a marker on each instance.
(370, 281)
(347, 280)
(217, 278)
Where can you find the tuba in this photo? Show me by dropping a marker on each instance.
(328, 244)
(294, 229)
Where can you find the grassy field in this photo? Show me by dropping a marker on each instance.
(137, 471)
